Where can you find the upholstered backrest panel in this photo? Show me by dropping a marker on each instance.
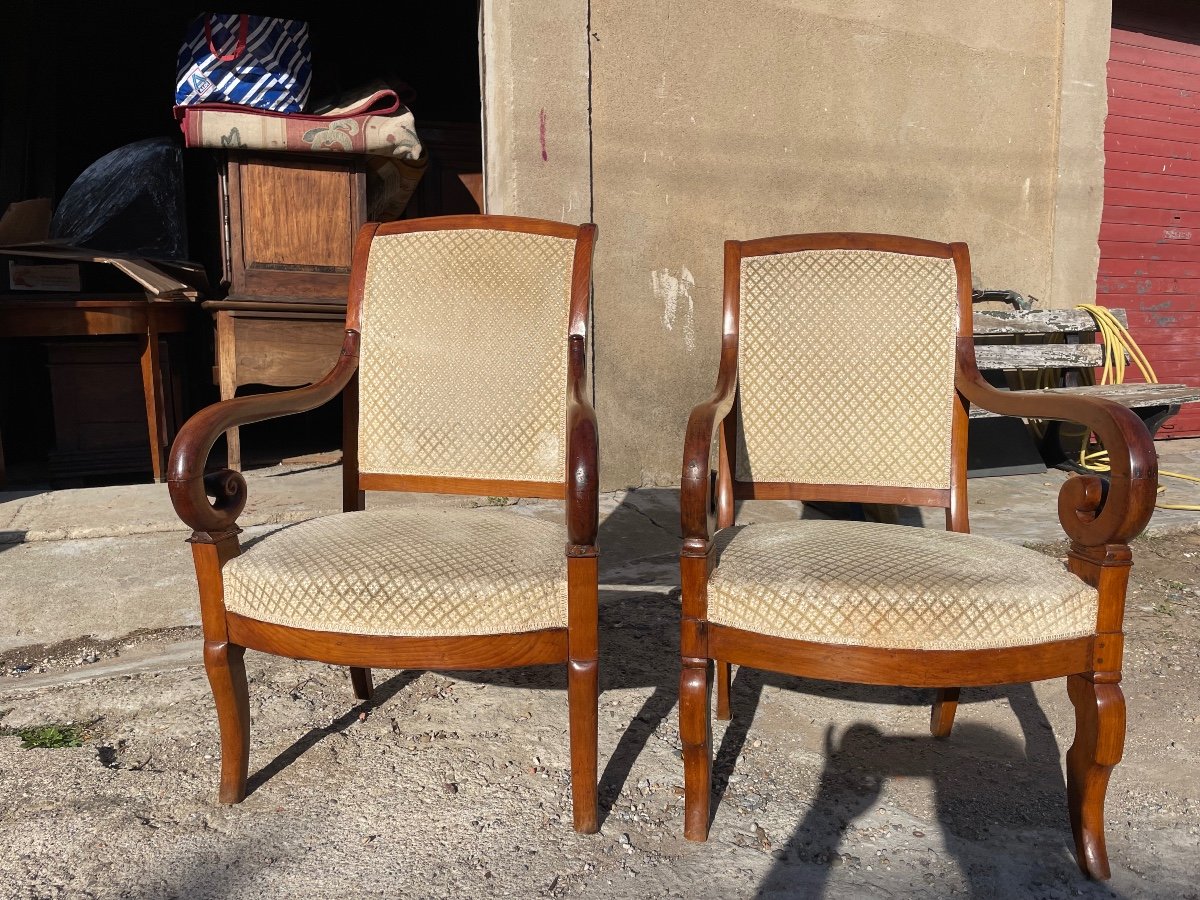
(463, 358)
(846, 368)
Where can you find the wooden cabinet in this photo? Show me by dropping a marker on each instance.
(290, 223)
(104, 411)
(101, 410)
(292, 220)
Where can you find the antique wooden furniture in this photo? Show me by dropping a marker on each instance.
(1040, 362)
(281, 323)
(142, 319)
(802, 414)
(463, 371)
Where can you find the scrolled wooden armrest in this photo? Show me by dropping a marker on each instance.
(697, 506)
(1091, 512)
(583, 473)
(190, 487)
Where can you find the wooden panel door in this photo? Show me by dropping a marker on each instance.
(1150, 230)
(292, 225)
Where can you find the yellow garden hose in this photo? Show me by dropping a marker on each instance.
(1117, 343)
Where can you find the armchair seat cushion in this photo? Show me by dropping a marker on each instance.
(406, 572)
(873, 585)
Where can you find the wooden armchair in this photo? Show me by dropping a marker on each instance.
(847, 369)
(464, 371)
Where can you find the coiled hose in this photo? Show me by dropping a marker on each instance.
(1117, 343)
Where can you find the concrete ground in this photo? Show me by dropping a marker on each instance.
(456, 784)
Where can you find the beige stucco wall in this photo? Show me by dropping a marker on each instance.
(946, 120)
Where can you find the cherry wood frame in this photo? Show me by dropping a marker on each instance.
(211, 502)
(1099, 517)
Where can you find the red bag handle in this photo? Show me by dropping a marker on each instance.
(239, 49)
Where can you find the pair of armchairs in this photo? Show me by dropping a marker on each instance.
(846, 371)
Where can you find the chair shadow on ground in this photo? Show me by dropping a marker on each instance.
(383, 693)
(989, 785)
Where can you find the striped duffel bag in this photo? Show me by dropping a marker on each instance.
(255, 61)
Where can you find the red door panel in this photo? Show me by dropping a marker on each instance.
(1150, 229)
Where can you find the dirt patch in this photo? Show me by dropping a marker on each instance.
(38, 659)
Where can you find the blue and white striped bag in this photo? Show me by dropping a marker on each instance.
(254, 61)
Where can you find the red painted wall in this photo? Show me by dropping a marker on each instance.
(1150, 229)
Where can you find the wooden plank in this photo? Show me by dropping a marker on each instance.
(1037, 321)
(1149, 268)
(1038, 356)
(1173, 370)
(1154, 112)
(1154, 93)
(1148, 234)
(1185, 425)
(1129, 38)
(1169, 319)
(1145, 303)
(1150, 146)
(1145, 198)
(1164, 354)
(1140, 286)
(1159, 57)
(285, 353)
(1153, 181)
(1141, 215)
(1151, 303)
(1132, 396)
(1146, 128)
(1181, 337)
(1134, 162)
(1142, 251)
(1127, 71)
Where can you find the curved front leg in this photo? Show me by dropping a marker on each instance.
(1099, 743)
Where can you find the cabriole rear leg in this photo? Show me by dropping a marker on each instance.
(724, 677)
(360, 681)
(582, 699)
(695, 733)
(941, 717)
(226, 668)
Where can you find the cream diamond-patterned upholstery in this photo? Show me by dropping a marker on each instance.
(846, 368)
(463, 361)
(406, 572)
(872, 585)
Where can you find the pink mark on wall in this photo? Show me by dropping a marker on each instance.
(542, 133)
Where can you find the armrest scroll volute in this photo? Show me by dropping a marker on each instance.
(187, 481)
(1093, 511)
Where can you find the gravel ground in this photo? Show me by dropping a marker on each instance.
(453, 785)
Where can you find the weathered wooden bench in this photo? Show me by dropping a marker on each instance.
(995, 352)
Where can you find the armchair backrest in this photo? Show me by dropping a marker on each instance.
(463, 358)
(846, 348)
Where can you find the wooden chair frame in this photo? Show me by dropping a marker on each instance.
(1100, 517)
(215, 537)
